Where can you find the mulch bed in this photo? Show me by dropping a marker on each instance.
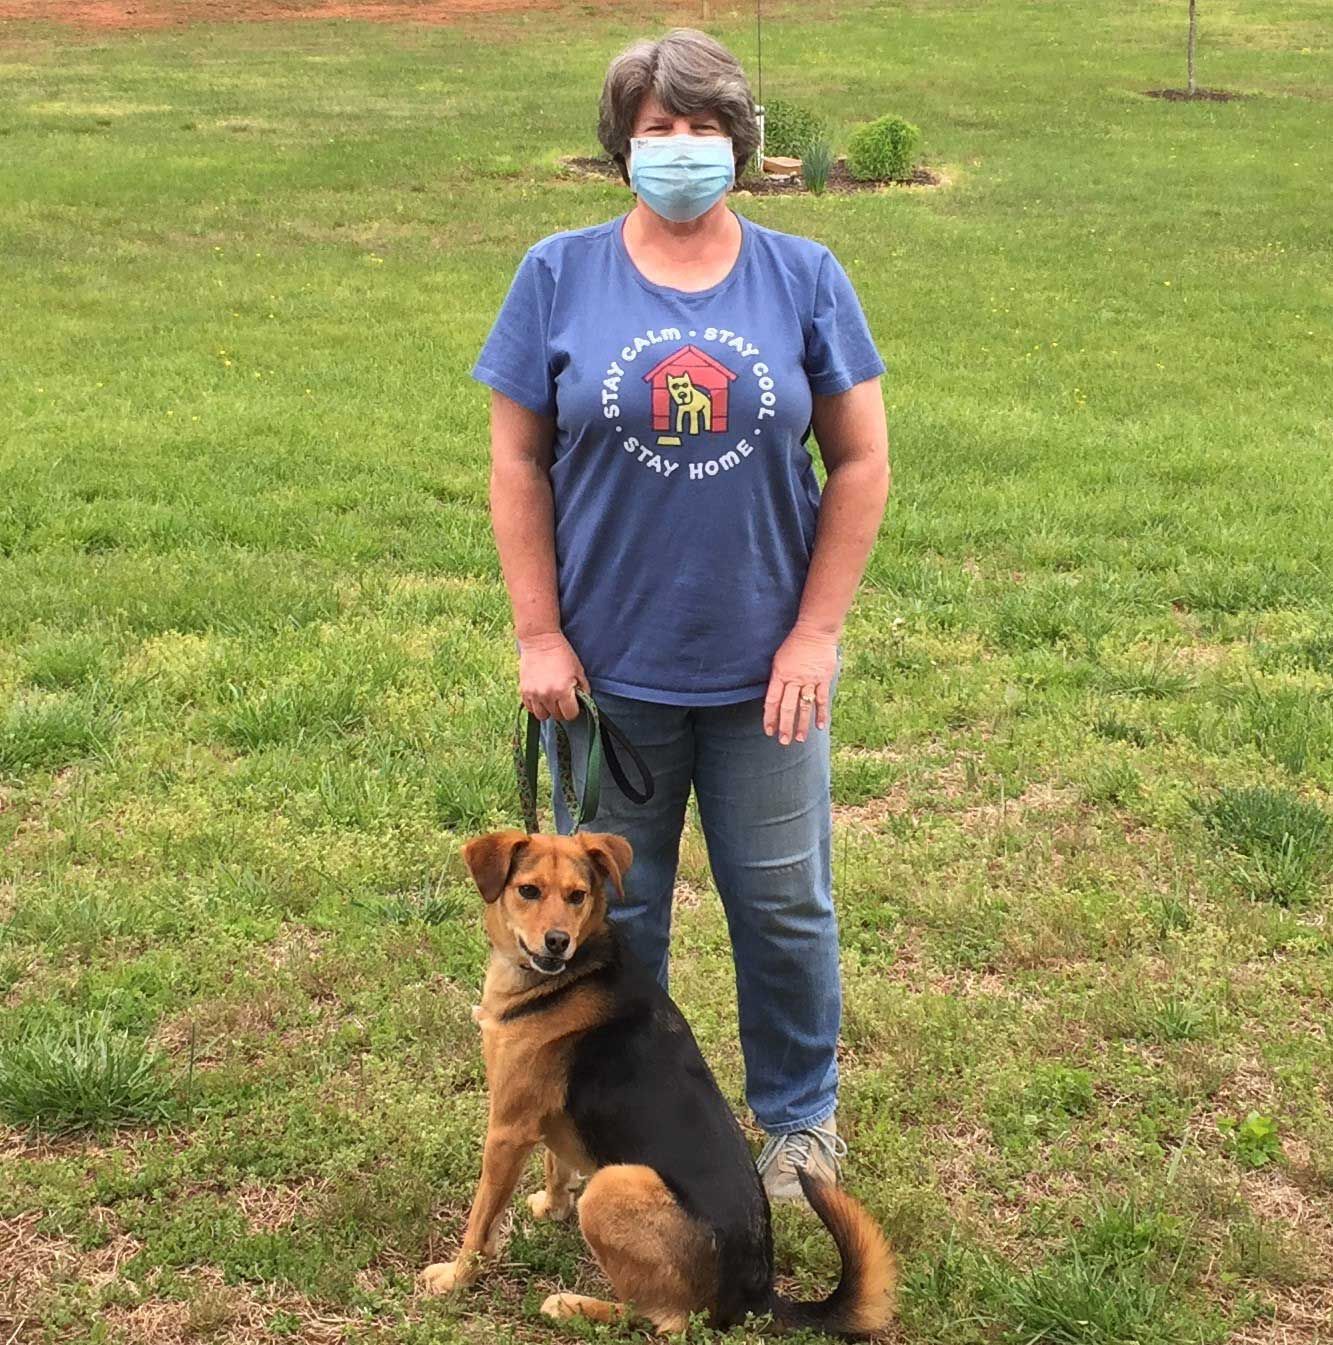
(1198, 96)
(840, 181)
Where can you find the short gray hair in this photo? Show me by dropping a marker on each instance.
(690, 73)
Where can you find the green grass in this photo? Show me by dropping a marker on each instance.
(68, 1076)
(1280, 846)
(42, 730)
(257, 677)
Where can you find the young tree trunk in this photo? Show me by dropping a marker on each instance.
(1189, 50)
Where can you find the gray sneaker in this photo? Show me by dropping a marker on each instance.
(818, 1152)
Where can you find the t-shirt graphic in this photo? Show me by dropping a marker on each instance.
(689, 395)
(685, 496)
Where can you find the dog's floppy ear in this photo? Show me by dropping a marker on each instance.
(490, 858)
(612, 854)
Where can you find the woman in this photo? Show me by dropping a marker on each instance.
(665, 545)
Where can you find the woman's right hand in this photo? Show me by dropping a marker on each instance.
(549, 671)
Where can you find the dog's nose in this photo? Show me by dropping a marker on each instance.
(556, 942)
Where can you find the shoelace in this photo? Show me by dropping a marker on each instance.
(800, 1143)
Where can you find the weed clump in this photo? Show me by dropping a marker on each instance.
(1282, 845)
(68, 1076)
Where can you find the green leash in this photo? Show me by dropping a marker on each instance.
(603, 736)
(527, 753)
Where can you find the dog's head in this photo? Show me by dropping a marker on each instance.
(546, 895)
(681, 388)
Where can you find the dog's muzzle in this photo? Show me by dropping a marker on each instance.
(542, 962)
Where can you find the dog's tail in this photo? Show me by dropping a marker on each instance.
(865, 1300)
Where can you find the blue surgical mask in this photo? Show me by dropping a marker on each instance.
(681, 176)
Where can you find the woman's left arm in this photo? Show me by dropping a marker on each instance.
(853, 441)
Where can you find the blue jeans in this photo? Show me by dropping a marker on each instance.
(767, 819)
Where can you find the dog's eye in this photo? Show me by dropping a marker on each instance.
(575, 898)
(529, 892)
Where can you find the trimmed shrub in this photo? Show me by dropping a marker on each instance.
(883, 150)
(790, 130)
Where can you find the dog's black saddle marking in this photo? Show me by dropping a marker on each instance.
(640, 1092)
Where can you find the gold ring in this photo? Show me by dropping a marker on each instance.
(807, 699)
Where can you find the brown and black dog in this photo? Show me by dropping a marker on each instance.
(587, 1054)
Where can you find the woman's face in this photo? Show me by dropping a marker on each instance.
(672, 180)
(654, 119)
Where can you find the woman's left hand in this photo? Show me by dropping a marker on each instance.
(799, 685)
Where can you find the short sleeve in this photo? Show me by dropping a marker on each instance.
(515, 359)
(839, 350)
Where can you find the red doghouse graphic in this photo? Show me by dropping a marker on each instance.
(689, 395)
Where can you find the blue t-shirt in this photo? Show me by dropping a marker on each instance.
(685, 497)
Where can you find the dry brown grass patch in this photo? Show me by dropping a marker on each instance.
(1273, 1195)
(268, 1207)
(237, 1314)
(1002, 1220)
(1249, 1088)
(911, 967)
(19, 1143)
(31, 1262)
(1301, 1316)
(1041, 797)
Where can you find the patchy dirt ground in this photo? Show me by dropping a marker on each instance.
(113, 14)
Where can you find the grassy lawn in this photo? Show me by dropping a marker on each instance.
(256, 671)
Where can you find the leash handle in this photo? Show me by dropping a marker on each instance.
(604, 736)
(613, 734)
(527, 754)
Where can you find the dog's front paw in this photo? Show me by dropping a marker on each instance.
(443, 1278)
(560, 1306)
(542, 1207)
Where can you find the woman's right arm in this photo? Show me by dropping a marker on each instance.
(523, 520)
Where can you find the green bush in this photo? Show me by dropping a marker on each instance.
(882, 150)
(790, 130)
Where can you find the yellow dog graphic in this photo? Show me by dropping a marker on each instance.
(690, 402)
